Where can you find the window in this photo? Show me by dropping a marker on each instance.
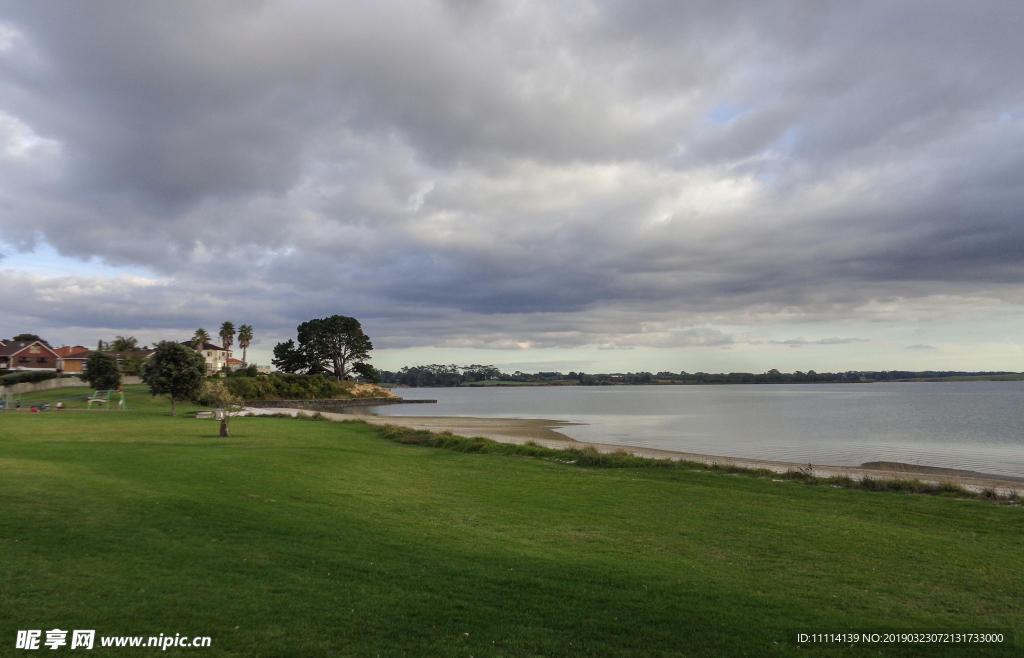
(23, 359)
(42, 359)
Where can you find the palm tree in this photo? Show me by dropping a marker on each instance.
(244, 338)
(227, 334)
(124, 344)
(201, 338)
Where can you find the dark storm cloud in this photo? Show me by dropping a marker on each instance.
(493, 174)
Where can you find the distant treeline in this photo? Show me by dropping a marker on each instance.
(479, 375)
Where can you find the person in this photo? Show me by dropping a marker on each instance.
(60, 406)
(34, 410)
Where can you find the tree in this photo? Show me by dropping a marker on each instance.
(200, 338)
(175, 371)
(132, 364)
(101, 371)
(218, 395)
(227, 334)
(367, 372)
(123, 344)
(244, 339)
(336, 344)
(288, 358)
(27, 338)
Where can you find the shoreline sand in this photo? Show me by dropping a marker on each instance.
(545, 433)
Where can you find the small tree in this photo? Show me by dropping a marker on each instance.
(175, 371)
(101, 371)
(218, 395)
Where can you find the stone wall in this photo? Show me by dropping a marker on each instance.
(63, 382)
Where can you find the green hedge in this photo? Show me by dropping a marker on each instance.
(29, 376)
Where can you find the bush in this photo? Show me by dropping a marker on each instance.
(251, 371)
(28, 376)
(285, 387)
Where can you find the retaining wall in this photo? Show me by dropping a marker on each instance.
(63, 382)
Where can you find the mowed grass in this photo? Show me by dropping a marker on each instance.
(302, 538)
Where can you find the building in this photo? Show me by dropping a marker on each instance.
(216, 356)
(28, 355)
(72, 359)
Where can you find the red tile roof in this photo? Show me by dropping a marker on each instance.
(10, 349)
(68, 351)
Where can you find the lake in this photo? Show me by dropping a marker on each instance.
(977, 426)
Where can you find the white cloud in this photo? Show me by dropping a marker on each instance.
(525, 176)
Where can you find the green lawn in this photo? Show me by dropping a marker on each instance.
(302, 538)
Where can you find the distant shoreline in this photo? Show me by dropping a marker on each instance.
(926, 380)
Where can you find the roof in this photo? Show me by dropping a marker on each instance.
(10, 349)
(206, 346)
(78, 356)
(68, 351)
(232, 360)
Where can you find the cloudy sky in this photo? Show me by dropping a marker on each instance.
(582, 185)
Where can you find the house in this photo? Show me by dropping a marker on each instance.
(28, 355)
(72, 359)
(235, 364)
(215, 355)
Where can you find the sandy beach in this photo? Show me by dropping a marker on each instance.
(545, 433)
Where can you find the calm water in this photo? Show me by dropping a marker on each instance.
(977, 426)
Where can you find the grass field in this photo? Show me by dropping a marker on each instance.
(302, 538)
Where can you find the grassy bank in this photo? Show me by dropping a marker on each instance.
(585, 455)
(299, 538)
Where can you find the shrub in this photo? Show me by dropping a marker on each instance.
(30, 377)
(285, 387)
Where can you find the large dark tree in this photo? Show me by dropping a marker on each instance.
(101, 371)
(27, 338)
(336, 344)
(174, 370)
(289, 358)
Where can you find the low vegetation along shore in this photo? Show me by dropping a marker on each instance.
(303, 538)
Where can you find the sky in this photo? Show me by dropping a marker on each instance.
(583, 185)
